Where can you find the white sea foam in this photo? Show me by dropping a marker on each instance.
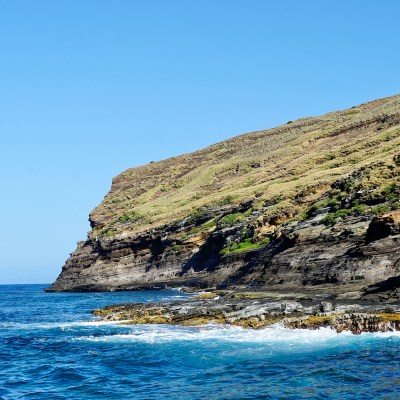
(178, 296)
(60, 325)
(273, 335)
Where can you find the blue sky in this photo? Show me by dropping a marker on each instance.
(91, 88)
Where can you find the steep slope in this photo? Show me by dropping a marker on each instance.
(300, 205)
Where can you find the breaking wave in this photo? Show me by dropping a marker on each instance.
(51, 349)
(275, 335)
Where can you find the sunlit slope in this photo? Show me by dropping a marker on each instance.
(277, 163)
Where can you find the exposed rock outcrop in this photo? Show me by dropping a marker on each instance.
(259, 310)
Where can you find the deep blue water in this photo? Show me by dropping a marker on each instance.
(49, 350)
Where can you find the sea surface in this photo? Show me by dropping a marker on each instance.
(51, 347)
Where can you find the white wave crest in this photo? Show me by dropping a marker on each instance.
(60, 325)
(272, 335)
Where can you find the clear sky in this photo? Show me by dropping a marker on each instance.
(91, 88)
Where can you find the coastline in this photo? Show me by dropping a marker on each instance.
(261, 309)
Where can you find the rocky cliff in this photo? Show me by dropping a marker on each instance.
(311, 204)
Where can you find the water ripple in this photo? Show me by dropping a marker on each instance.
(50, 350)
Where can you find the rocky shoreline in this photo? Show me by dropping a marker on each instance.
(257, 310)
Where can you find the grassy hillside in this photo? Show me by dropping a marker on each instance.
(290, 166)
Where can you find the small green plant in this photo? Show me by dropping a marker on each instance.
(330, 156)
(358, 209)
(248, 212)
(353, 112)
(391, 192)
(381, 209)
(329, 219)
(200, 228)
(333, 203)
(350, 183)
(244, 245)
(108, 232)
(227, 200)
(231, 219)
(129, 216)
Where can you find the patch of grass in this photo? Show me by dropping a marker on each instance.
(392, 192)
(381, 209)
(108, 232)
(316, 206)
(200, 228)
(248, 212)
(244, 245)
(203, 227)
(353, 112)
(231, 219)
(344, 212)
(129, 216)
(227, 200)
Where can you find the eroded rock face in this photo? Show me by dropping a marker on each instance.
(355, 256)
(355, 323)
(341, 259)
(338, 257)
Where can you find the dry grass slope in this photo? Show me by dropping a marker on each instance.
(277, 163)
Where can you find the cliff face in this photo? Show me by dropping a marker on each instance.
(311, 204)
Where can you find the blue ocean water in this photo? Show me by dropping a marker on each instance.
(50, 348)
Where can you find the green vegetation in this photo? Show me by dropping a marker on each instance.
(231, 219)
(227, 200)
(248, 212)
(383, 208)
(108, 232)
(353, 112)
(392, 191)
(201, 228)
(316, 206)
(129, 216)
(367, 191)
(173, 248)
(244, 245)
(358, 209)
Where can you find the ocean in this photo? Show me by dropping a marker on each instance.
(51, 347)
